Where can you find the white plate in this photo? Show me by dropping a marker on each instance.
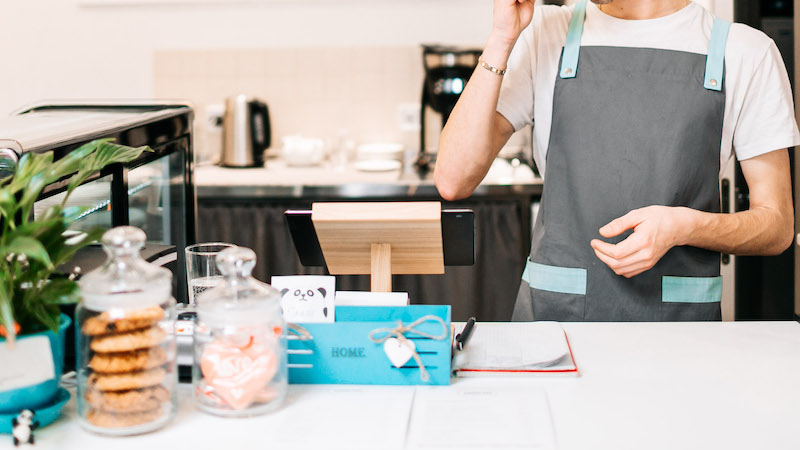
(380, 151)
(378, 165)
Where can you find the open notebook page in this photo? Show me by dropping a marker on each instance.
(513, 346)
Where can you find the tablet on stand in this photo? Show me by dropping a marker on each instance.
(383, 238)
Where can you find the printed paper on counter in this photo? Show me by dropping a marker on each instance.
(480, 417)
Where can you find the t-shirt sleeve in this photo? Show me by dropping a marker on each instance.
(516, 92)
(767, 121)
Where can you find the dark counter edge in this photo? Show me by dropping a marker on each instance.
(355, 191)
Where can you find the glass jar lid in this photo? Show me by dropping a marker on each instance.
(240, 299)
(125, 280)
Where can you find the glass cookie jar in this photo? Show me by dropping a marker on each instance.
(125, 341)
(240, 351)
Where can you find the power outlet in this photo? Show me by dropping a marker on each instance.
(408, 116)
(214, 114)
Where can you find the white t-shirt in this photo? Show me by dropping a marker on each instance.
(759, 112)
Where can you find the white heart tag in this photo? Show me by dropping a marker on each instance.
(399, 352)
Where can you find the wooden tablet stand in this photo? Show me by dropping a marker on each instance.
(380, 238)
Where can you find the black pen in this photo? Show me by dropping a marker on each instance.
(463, 337)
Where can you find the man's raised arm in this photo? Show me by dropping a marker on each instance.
(475, 131)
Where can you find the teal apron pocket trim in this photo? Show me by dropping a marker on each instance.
(691, 289)
(715, 61)
(555, 279)
(572, 47)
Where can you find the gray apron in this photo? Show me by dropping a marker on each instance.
(632, 127)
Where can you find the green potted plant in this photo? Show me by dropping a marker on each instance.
(30, 292)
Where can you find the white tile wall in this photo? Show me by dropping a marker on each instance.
(312, 91)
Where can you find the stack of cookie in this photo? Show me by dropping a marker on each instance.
(127, 368)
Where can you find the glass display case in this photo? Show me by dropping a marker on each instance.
(154, 199)
(154, 192)
(95, 194)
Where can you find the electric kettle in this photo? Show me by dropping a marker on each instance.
(246, 131)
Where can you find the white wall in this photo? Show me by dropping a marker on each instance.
(61, 49)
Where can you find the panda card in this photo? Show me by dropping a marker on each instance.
(306, 298)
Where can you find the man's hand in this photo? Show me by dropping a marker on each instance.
(510, 18)
(766, 228)
(656, 229)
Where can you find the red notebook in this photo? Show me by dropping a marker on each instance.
(515, 348)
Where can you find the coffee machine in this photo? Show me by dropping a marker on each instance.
(447, 70)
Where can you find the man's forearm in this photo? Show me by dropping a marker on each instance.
(757, 231)
(466, 146)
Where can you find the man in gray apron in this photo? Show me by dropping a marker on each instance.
(634, 151)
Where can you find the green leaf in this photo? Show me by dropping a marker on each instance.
(7, 312)
(44, 313)
(52, 222)
(51, 235)
(28, 246)
(31, 193)
(70, 163)
(30, 165)
(7, 204)
(36, 229)
(66, 252)
(107, 153)
(53, 239)
(60, 291)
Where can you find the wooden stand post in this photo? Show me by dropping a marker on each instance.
(381, 269)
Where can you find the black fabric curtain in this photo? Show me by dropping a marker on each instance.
(486, 290)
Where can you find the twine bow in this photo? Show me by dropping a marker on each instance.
(399, 333)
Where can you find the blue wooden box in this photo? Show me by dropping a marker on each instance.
(342, 352)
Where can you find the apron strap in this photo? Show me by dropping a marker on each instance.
(715, 61)
(572, 47)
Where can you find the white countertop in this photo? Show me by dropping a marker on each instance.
(733, 385)
(278, 173)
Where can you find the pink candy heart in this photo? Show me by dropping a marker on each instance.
(238, 374)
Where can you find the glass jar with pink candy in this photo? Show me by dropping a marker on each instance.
(240, 350)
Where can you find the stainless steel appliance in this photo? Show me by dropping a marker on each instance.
(447, 70)
(246, 131)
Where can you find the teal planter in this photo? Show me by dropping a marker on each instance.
(40, 395)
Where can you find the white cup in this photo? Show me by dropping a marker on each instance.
(302, 151)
